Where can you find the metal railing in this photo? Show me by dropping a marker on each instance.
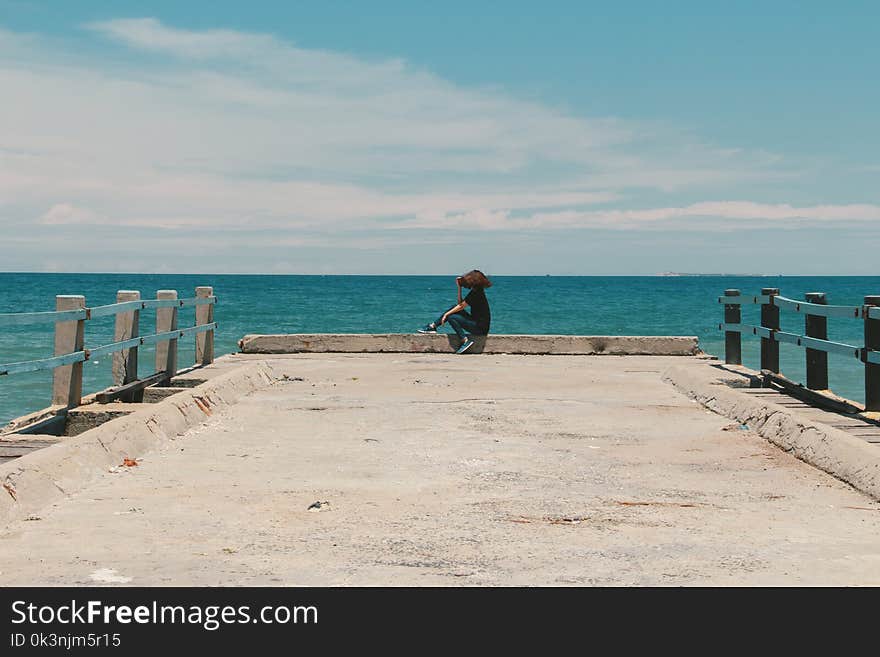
(71, 315)
(815, 340)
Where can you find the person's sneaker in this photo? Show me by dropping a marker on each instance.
(467, 344)
(428, 328)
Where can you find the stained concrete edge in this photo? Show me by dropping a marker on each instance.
(31, 482)
(616, 345)
(837, 452)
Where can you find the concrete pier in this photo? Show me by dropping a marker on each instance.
(428, 469)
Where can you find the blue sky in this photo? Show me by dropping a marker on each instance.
(415, 137)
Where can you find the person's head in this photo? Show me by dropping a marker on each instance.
(475, 279)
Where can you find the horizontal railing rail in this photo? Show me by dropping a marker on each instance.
(71, 316)
(17, 319)
(814, 339)
(42, 364)
(828, 346)
(803, 307)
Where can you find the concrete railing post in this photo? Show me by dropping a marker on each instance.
(67, 383)
(732, 339)
(872, 370)
(816, 326)
(770, 320)
(166, 352)
(204, 315)
(125, 363)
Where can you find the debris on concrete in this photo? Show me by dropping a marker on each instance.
(319, 506)
(684, 505)
(550, 520)
(129, 463)
(11, 490)
(735, 426)
(576, 520)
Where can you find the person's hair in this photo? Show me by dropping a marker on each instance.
(475, 278)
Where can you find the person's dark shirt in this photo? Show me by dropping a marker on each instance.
(479, 306)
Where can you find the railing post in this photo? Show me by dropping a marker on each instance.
(125, 363)
(817, 361)
(67, 381)
(166, 352)
(770, 320)
(872, 370)
(732, 339)
(204, 315)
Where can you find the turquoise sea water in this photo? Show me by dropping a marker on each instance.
(399, 304)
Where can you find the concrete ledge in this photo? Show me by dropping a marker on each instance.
(86, 418)
(35, 421)
(838, 453)
(31, 482)
(619, 345)
(153, 395)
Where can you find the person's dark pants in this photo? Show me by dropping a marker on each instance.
(461, 322)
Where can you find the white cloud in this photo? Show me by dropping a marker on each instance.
(742, 210)
(247, 107)
(745, 212)
(150, 34)
(183, 130)
(65, 213)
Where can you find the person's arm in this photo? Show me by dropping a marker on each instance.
(461, 306)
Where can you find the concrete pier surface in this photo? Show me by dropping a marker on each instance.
(429, 469)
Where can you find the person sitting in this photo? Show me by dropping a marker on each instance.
(464, 323)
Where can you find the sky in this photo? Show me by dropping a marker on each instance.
(575, 138)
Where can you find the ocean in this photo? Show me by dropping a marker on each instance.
(592, 305)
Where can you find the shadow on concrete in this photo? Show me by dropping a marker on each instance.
(479, 343)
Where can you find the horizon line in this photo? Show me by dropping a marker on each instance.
(544, 275)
